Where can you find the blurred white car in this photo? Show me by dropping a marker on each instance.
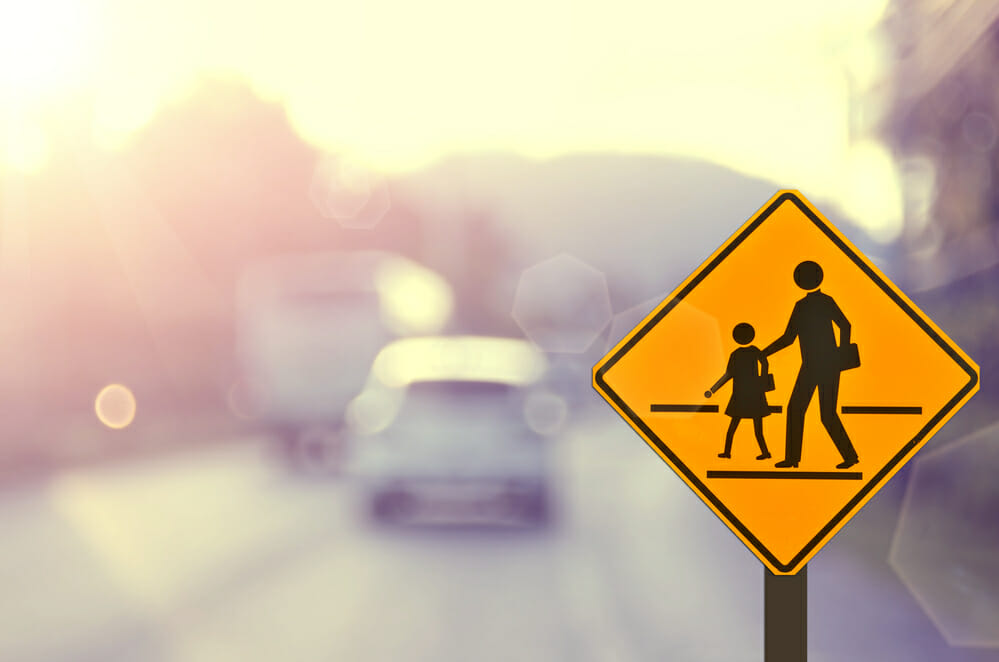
(310, 326)
(449, 432)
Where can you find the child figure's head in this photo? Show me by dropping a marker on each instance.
(743, 333)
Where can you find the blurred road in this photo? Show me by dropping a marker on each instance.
(222, 555)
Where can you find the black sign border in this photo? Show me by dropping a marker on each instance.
(874, 482)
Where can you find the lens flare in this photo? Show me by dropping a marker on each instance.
(115, 406)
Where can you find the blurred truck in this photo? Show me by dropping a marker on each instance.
(308, 329)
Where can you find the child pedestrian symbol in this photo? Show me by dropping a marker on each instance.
(747, 368)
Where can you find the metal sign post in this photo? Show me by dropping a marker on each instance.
(785, 614)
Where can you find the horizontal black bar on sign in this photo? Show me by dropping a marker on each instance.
(863, 409)
(708, 409)
(794, 475)
(701, 409)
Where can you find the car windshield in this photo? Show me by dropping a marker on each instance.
(457, 403)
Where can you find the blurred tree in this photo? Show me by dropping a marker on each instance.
(232, 177)
(943, 126)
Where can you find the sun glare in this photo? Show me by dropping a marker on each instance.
(43, 55)
(764, 88)
(25, 147)
(42, 45)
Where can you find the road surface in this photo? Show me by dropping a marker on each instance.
(222, 555)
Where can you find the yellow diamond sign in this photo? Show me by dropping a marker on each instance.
(786, 380)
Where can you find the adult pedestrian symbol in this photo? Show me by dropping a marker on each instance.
(841, 377)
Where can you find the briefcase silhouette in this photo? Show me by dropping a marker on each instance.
(768, 382)
(849, 357)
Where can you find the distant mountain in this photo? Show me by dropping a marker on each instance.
(645, 221)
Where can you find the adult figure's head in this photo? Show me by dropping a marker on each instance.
(808, 275)
(743, 333)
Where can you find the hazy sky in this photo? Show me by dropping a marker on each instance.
(762, 87)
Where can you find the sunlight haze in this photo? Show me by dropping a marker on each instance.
(763, 88)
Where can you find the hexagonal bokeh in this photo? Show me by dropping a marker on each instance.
(626, 320)
(562, 304)
(710, 333)
(349, 193)
(946, 546)
(545, 412)
(569, 375)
